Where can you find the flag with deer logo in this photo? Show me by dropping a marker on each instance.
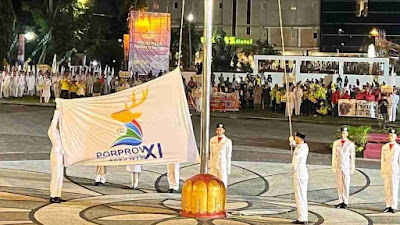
(146, 124)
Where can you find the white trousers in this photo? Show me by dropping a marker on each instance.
(343, 186)
(90, 89)
(300, 194)
(393, 113)
(173, 176)
(221, 174)
(15, 91)
(57, 174)
(101, 172)
(135, 173)
(6, 91)
(1, 90)
(31, 92)
(21, 91)
(391, 184)
(297, 107)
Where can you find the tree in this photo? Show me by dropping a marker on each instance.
(222, 53)
(195, 36)
(7, 25)
(73, 24)
(260, 48)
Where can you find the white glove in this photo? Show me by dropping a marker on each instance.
(291, 139)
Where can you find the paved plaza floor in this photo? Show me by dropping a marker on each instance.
(259, 190)
(258, 193)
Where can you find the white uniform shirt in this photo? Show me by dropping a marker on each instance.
(395, 99)
(221, 153)
(390, 159)
(299, 161)
(343, 157)
(31, 82)
(21, 81)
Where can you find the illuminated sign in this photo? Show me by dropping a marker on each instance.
(149, 35)
(230, 40)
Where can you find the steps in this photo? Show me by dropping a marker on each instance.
(374, 145)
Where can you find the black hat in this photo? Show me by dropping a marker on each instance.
(344, 128)
(392, 131)
(300, 135)
(220, 125)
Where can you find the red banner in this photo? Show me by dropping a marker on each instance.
(219, 101)
(21, 49)
(126, 47)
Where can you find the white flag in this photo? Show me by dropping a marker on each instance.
(146, 124)
(54, 65)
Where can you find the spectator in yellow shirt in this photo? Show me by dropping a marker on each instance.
(278, 97)
(81, 89)
(73, 88)
(64, 86)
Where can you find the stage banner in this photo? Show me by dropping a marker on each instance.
(124, 74)
(387, 89)
(146, 124)
(347, 107)
(149, 43)
(219, 101)
(21, 49)
(126, 47)
(358, 108)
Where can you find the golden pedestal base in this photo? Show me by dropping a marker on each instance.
(203, 196)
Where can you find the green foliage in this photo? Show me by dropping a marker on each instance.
(7, 21)
(260, 48)
(358, 135)
(195, 38)
(222, 53)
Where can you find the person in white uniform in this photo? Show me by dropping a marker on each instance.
(89, 83)
(300, 176)
(6, 86)
(56, 160)
(31, 84)
(2, 75)
(101, 172)
(298, 100)
(21, 85)
(390, 164)
(395, 101)
(135, 171)
(220, 155)
(343, 165)
(46, 94)
(14, 85)
(173, 177)
(40, 84)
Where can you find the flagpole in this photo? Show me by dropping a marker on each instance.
(207, 60)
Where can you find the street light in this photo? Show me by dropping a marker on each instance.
(374, 32)
(371, 51)
(83, 1)
(30, 36)
(190, 19)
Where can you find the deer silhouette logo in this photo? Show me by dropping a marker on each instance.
(134, 133)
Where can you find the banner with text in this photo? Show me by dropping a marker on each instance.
(219, 101)
(150, 35)
(357, 108)
(146, 124)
